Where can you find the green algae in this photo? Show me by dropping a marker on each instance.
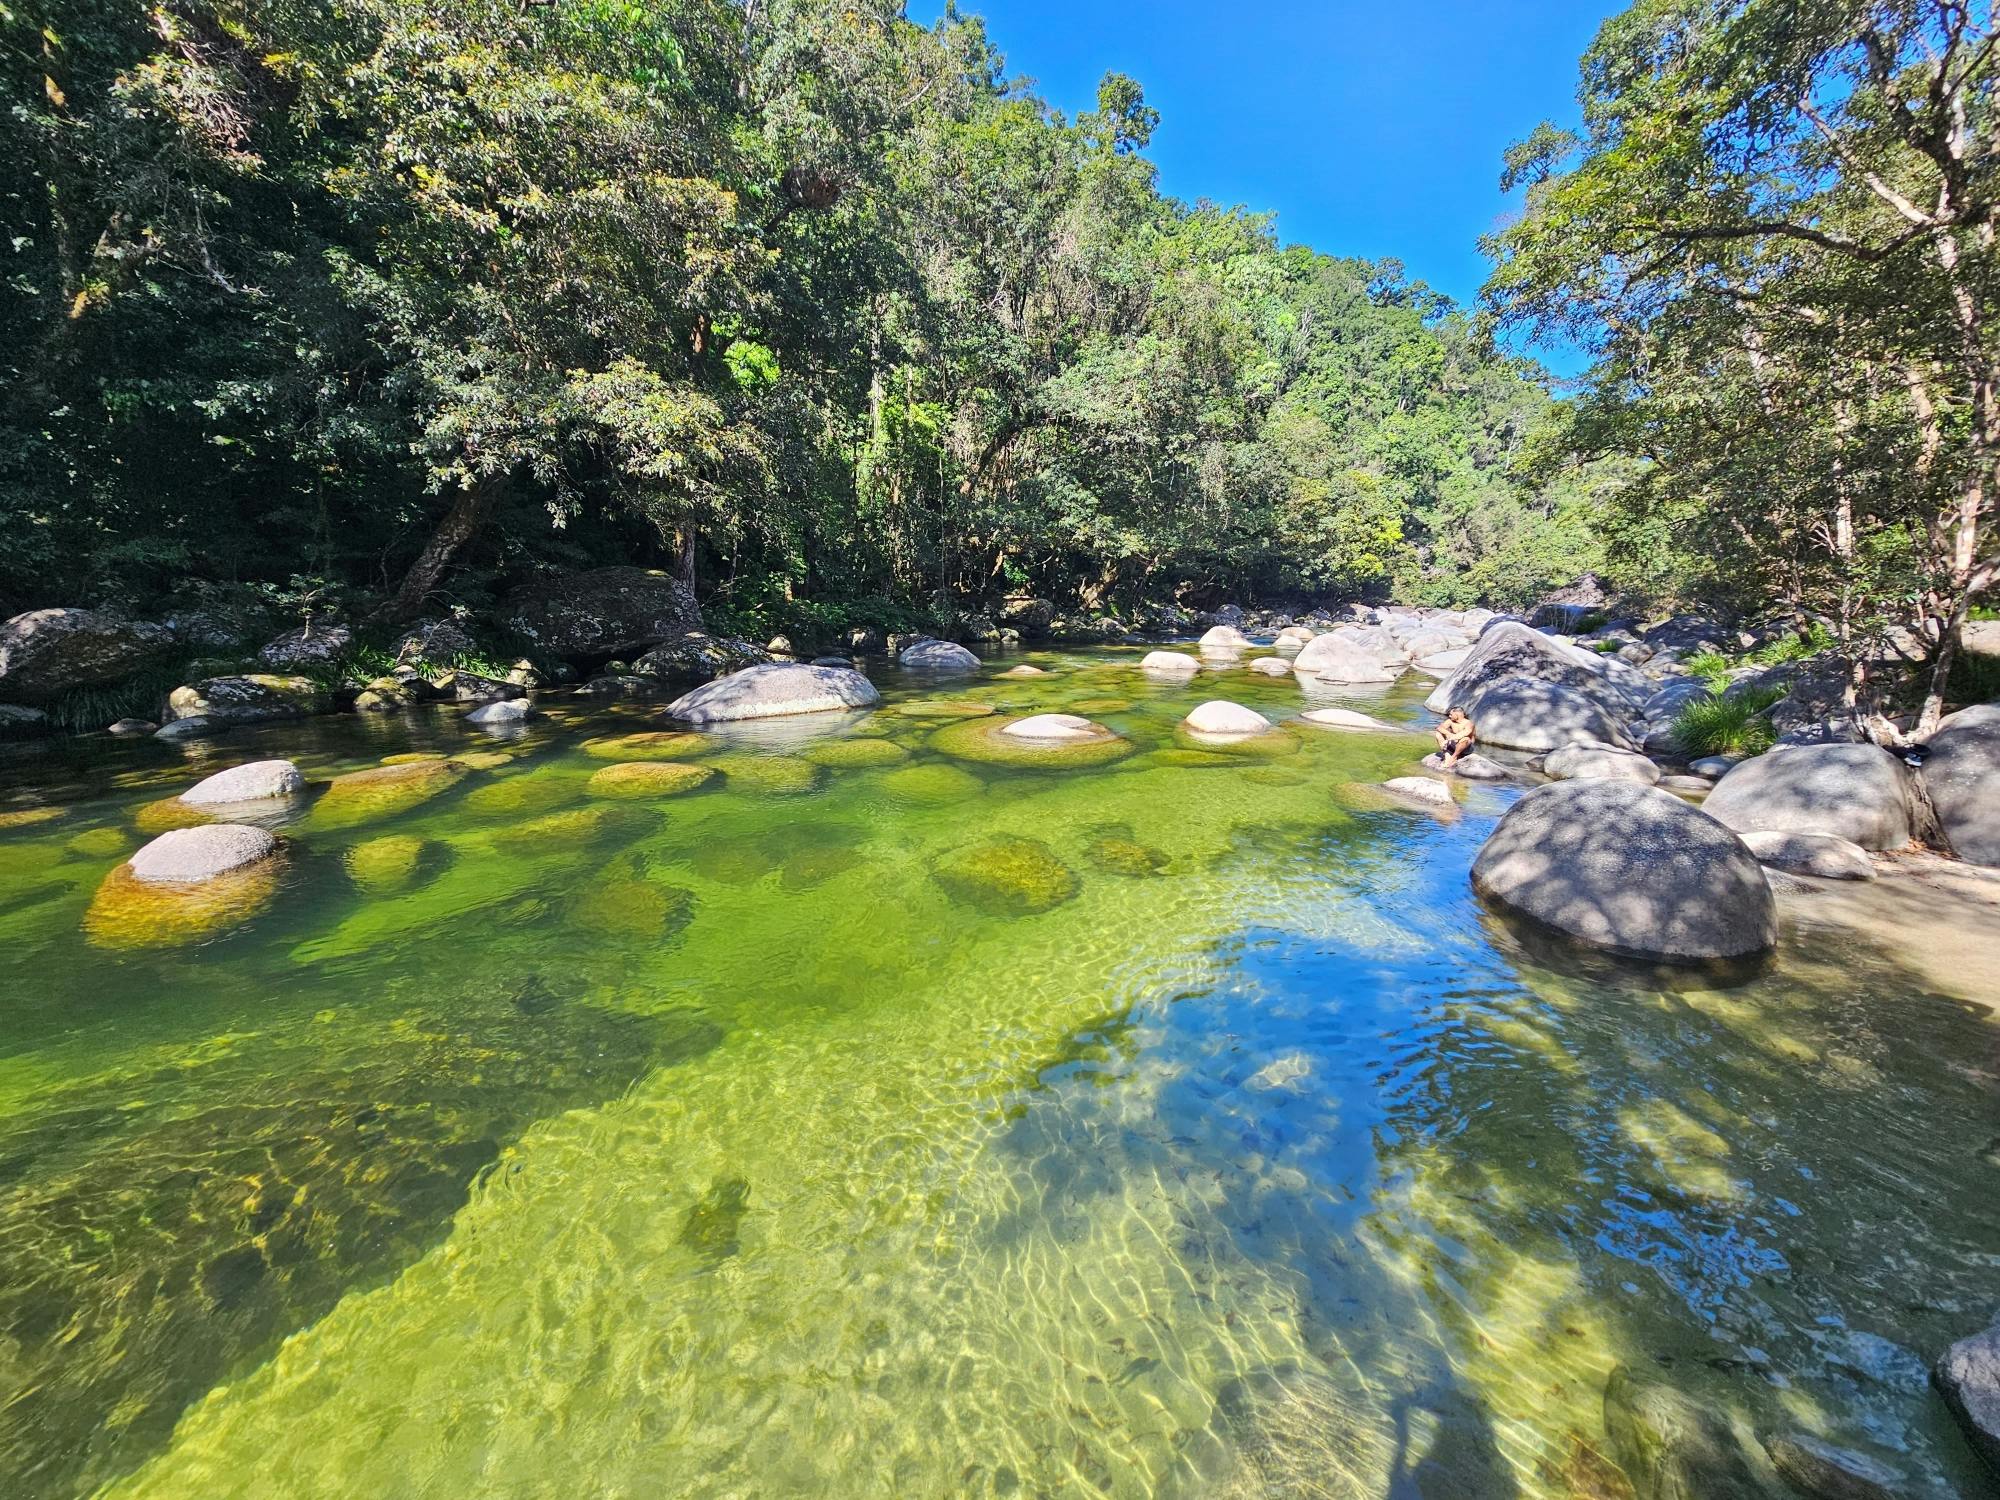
(931, 785)
(658, 744)
(642, 780)
(388, 864)
(362, 797)
(1006, 877)
(772, 775)
(856, 754)
(522, 795)
(990, 744)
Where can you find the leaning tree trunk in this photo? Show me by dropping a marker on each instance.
(468, 513)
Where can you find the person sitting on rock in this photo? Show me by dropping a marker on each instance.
(1455, 738)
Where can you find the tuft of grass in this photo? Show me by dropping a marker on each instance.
(1716, 725)
(1712, 667)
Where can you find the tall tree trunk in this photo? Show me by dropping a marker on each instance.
(469, 510)
(685, 538)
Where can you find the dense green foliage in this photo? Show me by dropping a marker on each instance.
(1777, 230)
(1727, 724)
(388, 302)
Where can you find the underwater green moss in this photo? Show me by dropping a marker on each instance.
(643, 779)
(1006, 877)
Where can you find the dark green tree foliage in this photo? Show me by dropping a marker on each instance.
(401, 301)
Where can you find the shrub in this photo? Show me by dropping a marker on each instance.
(1715, 725)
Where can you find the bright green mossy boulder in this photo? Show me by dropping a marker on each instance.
(484, 760)
(523, 796)
(990, 744)
(638, 780)
(852, 754)
(776, 774)
(168, 814)
(1116, 852)
(412, 757)
(582, 825)
(1101, 705)
(99, 843)
(385, 865)
(631, 908)
(932, 785)
(1010, 877)
(369, 796)
(662, 744)
(29, 817)
(130, 913)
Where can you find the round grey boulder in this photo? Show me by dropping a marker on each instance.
(1425, 789)
(1577, 762)
(1339, 658)
(1169, 662)
(1815, 854)
(1271, 666)
(1220, 716)
(1860, 793)
(939, 656)
(188, 856)
(1474, 767)
(1525, 713)
(775, 690)
(1224, 638)
(1968, 1377)
(1631, 870)
(259, 781)
(507, 711)
(1962, 777)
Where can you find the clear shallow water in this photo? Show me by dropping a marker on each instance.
(741, 1143)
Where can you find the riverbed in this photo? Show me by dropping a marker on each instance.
(885, 1115)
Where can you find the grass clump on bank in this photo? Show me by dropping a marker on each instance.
(1727, 725)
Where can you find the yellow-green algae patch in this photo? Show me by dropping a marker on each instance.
(1271, 744)
(386, 865)
(943, 708)
(1006, 876)
(523, 795)
(990, 744)
(580, 825)
(28, 817)
(642, 779)
(168, 814)
(856, 754)
(99, 843)
(130, 913)
(931, 784)
(658, 744)
(370, 796)
(779, 775)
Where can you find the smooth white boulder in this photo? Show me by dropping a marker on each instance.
(1442, 663)
(1169, 661)
(939, 656)
(1629, 869)
(1224, 638)
(1473, 767)
(1345, 718)
(1338, 658)
(507, 711)
(1575, 762)
(1220, 716)
(187, 856)
(1296, 635)
(774, 690)
(258, 781)
(1420, 789)
(1817, 854)
(1271, 666)
(1053, 727)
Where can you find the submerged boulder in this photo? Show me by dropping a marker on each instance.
(1816, 854)
(640, 780)
(1674, 1449)
(1054, 727)
(1860, 793)
(775, 690)
(939, 656)
(1962, 777)
(382, 792)
(602, 612)
(1170, 662)
(385, 865)
(1339, 658)
(185, 886)
(1271, 666)
(45, 651)
(1968, 1377)
(1006, 877)
(1347, 718)
(1527, 713)
(1629, 869)
(258, 781)
(1814, 1467)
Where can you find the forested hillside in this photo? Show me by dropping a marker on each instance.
(384, 305)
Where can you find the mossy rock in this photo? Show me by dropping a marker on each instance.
(1008, 877)
(932, 785)
(639, 780)
(370, 796)
(582, 825)
(1101, 705)
(484, 760)
(412, 757)
(167, 814)
(990, 744)
(658, 744)
(1275, 776)
(843, 755)
(630, 908)
(1118, 853)
(386, 865)
(129, 913)
(781, 775)
(30, 817)
(521, 796)
(99, 843)
(811, 868)
(944, 708)
(1273, 744)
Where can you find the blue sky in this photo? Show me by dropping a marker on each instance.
(1371, 129)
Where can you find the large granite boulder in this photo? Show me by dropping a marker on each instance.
(1968, 1377)
(1033, 618)
(602, 612)
(258, 781)
(1817, 854)
(1170, 663)
(774, 690)
(1860, 793)
(1629, 869)
(1962, 776)
(46, 651)
(1526, 713)
(939, 656)
(1577, 762)
(1340, 657)
(1220, 716)
(1511, 651)
(696, 656)
(252, 699)
(308, 646)
(187, 856)
(1224, 638)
